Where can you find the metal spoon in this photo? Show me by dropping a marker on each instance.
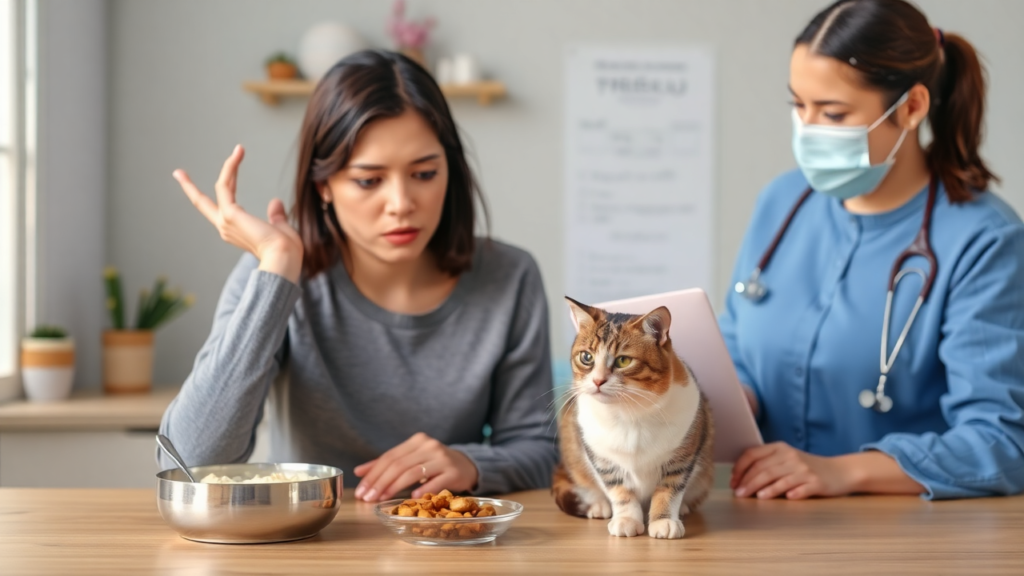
(165, 444)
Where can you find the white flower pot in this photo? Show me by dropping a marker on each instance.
(47, 368)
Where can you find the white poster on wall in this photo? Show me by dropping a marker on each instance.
(638, 170)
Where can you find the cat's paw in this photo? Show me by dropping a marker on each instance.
(602, 509)
(666, 528)
(625, 526)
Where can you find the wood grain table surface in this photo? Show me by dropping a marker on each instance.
(82, 531)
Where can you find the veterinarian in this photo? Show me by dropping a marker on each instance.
(877, 306)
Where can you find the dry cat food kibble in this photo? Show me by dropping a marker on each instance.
(445, 505)
(271, 478)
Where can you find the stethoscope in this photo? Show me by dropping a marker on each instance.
(755, 290)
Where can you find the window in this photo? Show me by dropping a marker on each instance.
(8, 206)
(16, 18)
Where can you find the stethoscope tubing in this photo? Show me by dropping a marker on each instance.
(755, 290)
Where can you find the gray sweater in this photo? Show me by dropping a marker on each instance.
(345, 380)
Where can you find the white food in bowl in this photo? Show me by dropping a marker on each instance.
(271, 478)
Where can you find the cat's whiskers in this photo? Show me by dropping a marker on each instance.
(561, 397)
(552, 391)
(573, 399)
(653, 402)
(569, 396)
(633, 415)
(565, 396)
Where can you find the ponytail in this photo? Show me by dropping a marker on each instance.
(893, 48)
(956, 115)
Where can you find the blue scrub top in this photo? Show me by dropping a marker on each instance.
(813, 343)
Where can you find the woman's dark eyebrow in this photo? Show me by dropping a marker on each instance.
(820, 102)
(426, 158)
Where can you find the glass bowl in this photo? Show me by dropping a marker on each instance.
(450, 531)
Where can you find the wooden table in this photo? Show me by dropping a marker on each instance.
(79, 531)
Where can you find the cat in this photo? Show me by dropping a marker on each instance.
(636, 430)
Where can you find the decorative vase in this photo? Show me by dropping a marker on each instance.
(47, 368)
(324, 44)
(416, 55)
(127, 361)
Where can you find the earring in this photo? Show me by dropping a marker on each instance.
(324, 204)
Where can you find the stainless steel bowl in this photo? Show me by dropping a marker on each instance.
(249, 513)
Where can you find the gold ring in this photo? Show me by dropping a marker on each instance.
(424, 479)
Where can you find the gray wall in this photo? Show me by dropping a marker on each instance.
(175, 101)
(72, 174)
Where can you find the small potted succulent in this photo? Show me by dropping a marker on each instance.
(128, 352)
(280, 66)
(47, 364)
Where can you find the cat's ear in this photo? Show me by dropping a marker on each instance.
(581, 314)
(656, 323)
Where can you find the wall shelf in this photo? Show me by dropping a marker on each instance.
(485, 91)
(271, 91)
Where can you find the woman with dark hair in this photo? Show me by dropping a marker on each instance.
(878, 310)
(385, 335)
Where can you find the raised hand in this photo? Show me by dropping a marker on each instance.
(274, 242)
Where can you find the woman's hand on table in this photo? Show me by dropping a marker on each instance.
(274, 242)
(779, 469)
(410, 462)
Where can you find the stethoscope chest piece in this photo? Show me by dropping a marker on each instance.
(875, 400)
(753, 289)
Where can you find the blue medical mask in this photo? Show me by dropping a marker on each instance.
(835, 159)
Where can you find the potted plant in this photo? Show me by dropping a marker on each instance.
(128, 352)
(47, 364)
(281, 67)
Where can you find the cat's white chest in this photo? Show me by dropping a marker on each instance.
(639, 443)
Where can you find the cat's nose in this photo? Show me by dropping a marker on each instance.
(598, 380)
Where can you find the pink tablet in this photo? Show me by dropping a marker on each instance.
(697, 340)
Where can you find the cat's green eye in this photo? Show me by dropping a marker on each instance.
(586, 358)
(623, 361)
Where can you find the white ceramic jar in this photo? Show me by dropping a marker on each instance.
(465, 69)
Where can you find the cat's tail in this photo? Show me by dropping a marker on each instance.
(564, 491)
